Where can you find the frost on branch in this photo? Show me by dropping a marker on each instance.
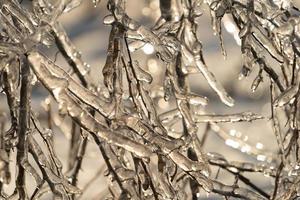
(146, 155)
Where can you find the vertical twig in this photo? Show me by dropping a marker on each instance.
(24, 110)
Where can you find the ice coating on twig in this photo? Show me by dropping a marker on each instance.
(58, 88)
(147, 132)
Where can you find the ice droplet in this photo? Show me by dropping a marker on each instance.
(108, 20)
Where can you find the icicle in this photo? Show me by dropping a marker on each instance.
(286, 96)
(214, 84)
(244, 72)
(195, 54)
(256, 82)
(218, 10)
(72, 4)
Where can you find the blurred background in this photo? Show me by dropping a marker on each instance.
(86, 30)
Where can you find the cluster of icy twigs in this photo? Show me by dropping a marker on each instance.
(146, 157)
